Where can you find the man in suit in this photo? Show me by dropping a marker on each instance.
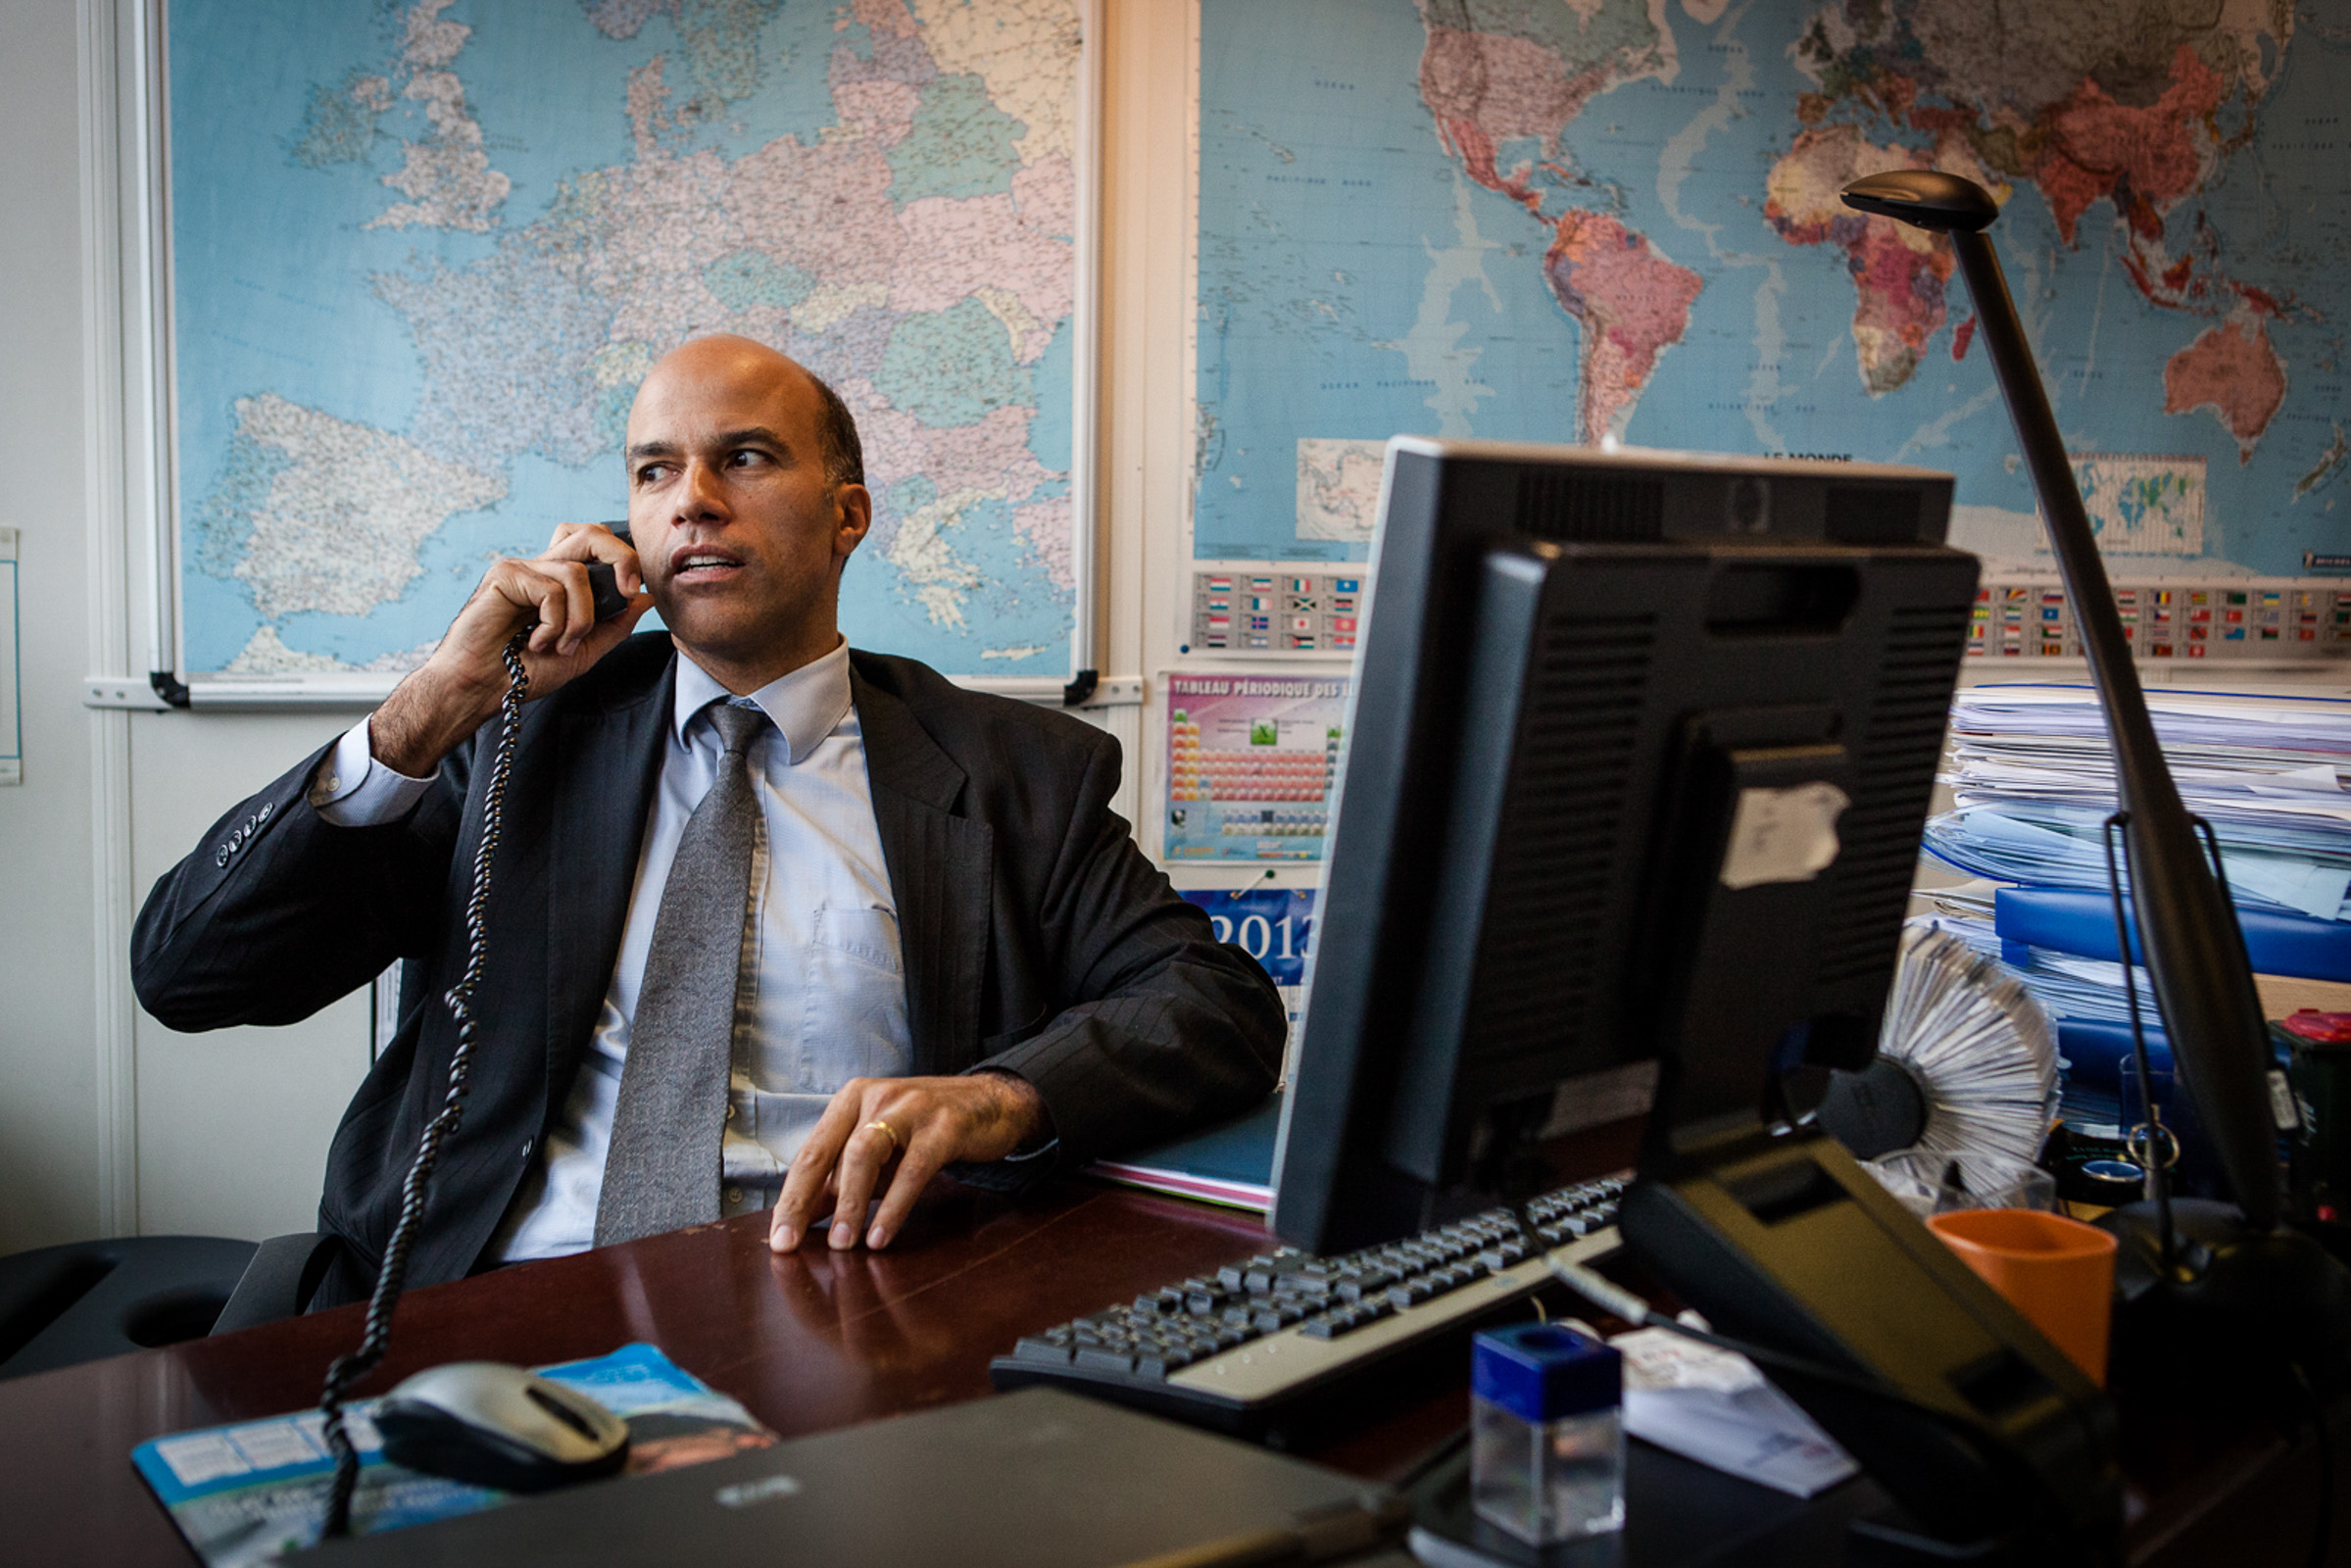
(772, 923)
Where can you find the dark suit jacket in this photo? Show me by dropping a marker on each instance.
(1036, 938)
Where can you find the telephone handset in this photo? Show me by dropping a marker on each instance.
(392, 1277)
(609, 600)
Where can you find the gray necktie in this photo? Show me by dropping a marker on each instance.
(662, 1170)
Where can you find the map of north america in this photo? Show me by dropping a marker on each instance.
(412, 343)
(1618, 221)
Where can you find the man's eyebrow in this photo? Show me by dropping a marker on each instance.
(750, 435)
(753, 435)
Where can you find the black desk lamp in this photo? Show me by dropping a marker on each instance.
(2232, 1277)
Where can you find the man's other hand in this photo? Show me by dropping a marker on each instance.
(464, 681)
(924, 1125)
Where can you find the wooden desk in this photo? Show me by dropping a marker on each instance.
(819, 1341)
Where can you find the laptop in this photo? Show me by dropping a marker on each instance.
(1037, 1479)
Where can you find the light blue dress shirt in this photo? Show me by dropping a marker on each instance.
(823, 995)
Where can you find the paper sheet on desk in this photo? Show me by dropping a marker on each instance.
(1714, 1407)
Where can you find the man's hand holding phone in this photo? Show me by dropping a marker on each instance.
(464, 681)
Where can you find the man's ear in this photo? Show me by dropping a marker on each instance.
(853, 517)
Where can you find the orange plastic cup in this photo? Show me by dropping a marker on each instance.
(2058, 1272)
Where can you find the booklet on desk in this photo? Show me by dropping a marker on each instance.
(247, 1494)
(1230, 1163)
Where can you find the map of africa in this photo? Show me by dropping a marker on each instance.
(423, 251)
(1618, 219)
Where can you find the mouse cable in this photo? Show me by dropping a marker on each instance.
(392, 1277)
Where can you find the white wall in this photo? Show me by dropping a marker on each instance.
(48, 1081)
(233, 1124)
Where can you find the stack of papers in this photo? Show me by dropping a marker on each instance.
(2033, 781)
(1714, 1407)
(2069, 988)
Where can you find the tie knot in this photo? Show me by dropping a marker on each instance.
(737, 725)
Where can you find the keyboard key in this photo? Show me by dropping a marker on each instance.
(1271, 1275)
(1102, 1358)
(1041, 1350)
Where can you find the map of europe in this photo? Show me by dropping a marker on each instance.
(424, 251)
(1595, 221)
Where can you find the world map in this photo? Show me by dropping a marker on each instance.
(424, 253)
(1617, 221)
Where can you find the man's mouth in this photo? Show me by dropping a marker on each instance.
(702, 566)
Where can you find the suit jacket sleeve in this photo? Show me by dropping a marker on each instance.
(1170, 1028)
(278, 913)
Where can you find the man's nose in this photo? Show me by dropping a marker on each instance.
(701, 498)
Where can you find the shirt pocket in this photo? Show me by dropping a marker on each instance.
(854, 1000)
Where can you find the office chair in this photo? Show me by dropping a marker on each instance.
(60, 1305)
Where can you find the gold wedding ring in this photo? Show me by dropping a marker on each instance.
(888, 1131)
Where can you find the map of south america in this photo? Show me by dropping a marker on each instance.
(1503, 72)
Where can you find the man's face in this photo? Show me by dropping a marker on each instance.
(739, 535)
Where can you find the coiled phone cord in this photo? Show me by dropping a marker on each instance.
(393, 1275)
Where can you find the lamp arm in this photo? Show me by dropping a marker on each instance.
(2195, 953)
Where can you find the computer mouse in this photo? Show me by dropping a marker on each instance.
(495, 1425)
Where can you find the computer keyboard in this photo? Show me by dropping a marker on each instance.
(1247, 1349)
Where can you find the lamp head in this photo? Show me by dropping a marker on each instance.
(1925, 198)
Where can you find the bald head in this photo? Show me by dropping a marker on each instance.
(746, 362)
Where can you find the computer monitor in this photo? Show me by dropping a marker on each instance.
(1580, 664)
(1640, 750)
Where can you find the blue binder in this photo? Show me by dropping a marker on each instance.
(2077, 921)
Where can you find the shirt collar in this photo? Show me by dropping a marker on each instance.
(804, 705)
